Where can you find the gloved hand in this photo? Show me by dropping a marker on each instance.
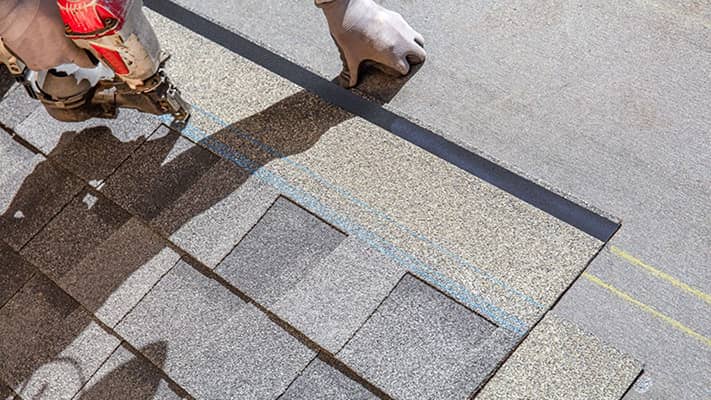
(366, 31)
(34, 31)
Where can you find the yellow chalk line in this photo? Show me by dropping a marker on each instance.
(659, 274)
(651, 310)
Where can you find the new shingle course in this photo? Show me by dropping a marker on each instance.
(422, 344)
(217, 345)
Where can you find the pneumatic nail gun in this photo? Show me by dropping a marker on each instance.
(129, 70)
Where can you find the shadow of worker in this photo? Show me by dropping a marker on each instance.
(6, 81)
(167, 182)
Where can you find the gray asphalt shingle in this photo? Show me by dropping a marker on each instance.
(34, 190)
(14, 273)
(203, 204)
(101, 256)
(337, 295)
(124, 376)
(421, 344)
(212, 216)
(278, 252)
(158, 174)
(92, 148)
(559, 361)
(6, 393)
(320, 381)
(217, 345)
(50, 346)
(16, 106)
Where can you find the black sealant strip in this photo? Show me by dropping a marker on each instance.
(586, 220)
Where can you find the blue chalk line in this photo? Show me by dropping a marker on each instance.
(407, 260)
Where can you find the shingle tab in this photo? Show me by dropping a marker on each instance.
(320, 381)
(158, 174)
(50, 346)
(16, 106)
(34, 190)
(420, 344)
(126, 376)
(559, 361)
(93, 148)
(102, 258)
(219, 347)
(336, 297)
(213, 215)
(6, 393)
(14, 273)
(278, 252)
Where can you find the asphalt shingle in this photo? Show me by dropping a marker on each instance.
(559, 361)
(320, 381)
(50, 346)
(158, 174)
(6, 393)
(218, 346)
(16, 106)
(212, 216)
(92, 148)
(278, 252)
(34, 190)
(337, 295)
(421, 344)
(101, 256)
(14, 273)
(124, 376)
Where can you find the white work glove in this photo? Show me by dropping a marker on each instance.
(366, 31)
(34, 31)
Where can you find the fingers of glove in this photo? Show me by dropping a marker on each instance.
(416, 54)
(352, 70)
(419, 39)
(351, 65)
